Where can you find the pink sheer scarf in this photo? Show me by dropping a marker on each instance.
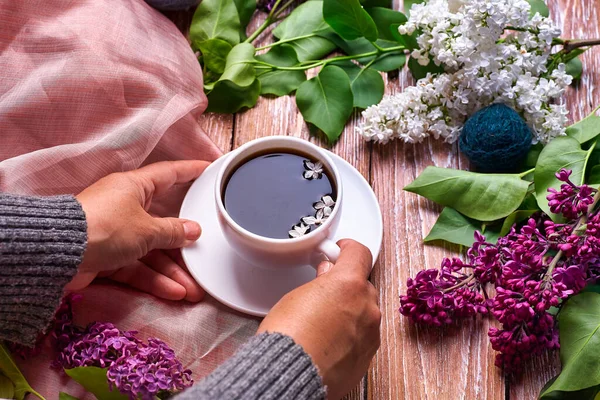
(93, 87)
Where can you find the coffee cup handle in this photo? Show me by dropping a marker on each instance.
(330, 249)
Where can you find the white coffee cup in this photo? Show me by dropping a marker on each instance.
(263, 251)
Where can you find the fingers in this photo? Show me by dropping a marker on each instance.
(141, 277)
(161, 176)
(173, 233)
(354, 258)
(159, 261)
(324, 267)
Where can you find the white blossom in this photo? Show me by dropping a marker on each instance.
(491, 52)
(299, 230)
(324, 206)
(314, 170)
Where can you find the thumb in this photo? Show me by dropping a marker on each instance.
(324, 267)
(173, 233)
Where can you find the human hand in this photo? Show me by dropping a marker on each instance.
(122, 234)
(335, 318)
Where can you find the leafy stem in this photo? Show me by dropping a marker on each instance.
(286, 41)
(459, 284)
(271, 18)
(525, 173)
(320, 63)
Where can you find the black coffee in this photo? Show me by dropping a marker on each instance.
(279, 195)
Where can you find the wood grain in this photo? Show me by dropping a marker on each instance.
(415, 362)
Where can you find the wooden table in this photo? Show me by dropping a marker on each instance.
(415, 362)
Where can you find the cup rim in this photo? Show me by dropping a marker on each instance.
(233, 224)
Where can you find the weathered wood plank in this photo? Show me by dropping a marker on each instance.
(580, 19)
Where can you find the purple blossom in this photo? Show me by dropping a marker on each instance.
(571, 201)
(533, 268)
(137, 369)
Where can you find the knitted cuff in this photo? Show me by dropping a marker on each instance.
(269, 366)
(42, 241)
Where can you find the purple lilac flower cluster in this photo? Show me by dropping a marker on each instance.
(139, 370)
(532, 269)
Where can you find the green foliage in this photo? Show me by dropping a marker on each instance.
(214, 52)
(94, 380)
(66, 396)
(10, 370)
(574, 67)
(366, 84)
(561, 152)
(586, 129)
(484, 197)
(326, 101)
(349, 20)
(245, 9)
(238, 86)
(215, 19)
(384, 18)
(279, 82)
(579, 322)
(306, 19)
(7, 388)
(453, 227)
(538, 6)
(419, 71)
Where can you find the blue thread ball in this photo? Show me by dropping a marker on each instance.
(496, 139)
(173, 5)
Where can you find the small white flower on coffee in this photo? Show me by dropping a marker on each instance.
(313, 170)
(299, 230)
(324, 206)
(318, 219)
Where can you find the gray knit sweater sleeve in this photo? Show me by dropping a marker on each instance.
(42, 241)
(269, 366)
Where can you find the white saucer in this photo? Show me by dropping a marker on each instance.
(254, 290)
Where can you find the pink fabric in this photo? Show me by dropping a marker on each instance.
(92, 87)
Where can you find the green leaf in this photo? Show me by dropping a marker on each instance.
(214, 52)
(585, 394)
(326, 101)
(419, 71)
(484, 197)
(377, 3)
(538, 6)
(367, 84)
(384, 63)
(228, 98)
(66, 396)
(215, 19)
(306, 19)
(94, 380)
(280, 82)
(514, 218)
(7, 388)
(12, 372)
(454, 227)
(561, 152)
(574, 67)
(384, 18)
(533, 155)
(594, 177)
(245, 9)
(349, 19)
(579, 322)
(238, 86)
(586, 129)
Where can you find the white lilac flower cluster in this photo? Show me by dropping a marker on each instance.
(491, 52)
(323, 207)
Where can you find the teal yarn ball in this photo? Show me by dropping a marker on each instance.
(496, 139)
